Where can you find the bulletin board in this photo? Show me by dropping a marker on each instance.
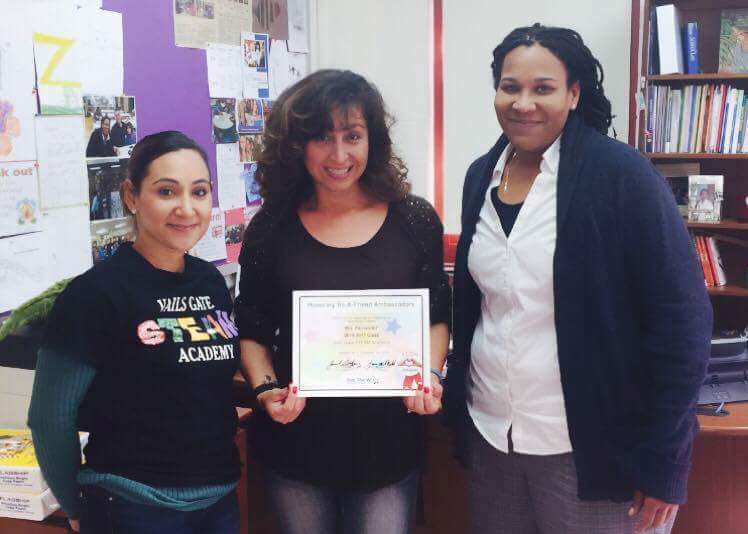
(171, 85)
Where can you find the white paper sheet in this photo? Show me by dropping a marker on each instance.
(255, 65)
(69, 244)
(23, 269)
(224, 70)
(212, 246)
(59, 57)
(102, 50)
(234, 17)
(286, 68)
(17, 98)
(231, 187)
(298, 26)
(19, 198)
(63, 180)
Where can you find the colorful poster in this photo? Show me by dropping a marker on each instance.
(251, 187)
(105, 176)
(17, 98)
(234, 233)
(250, 147)
(58, 55)
(107, 235)
(250, 115)
(371, 343)
(255, 65)
(19, 198)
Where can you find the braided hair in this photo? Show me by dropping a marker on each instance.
(581, 66)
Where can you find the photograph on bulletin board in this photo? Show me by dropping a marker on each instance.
(108, 235)
(223, 120)
(251, 187)
(250, 114)
(255, 80)
(250, 147)
(105, 176)
(110, 125)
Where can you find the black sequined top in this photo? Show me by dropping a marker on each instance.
(352, 444)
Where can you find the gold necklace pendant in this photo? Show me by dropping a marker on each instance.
(506, 171)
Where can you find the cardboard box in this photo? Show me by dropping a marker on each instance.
(28, 505)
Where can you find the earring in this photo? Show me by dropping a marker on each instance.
(134, 211)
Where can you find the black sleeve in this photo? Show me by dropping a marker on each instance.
(427, 230)
(254, 308)
(82, 322)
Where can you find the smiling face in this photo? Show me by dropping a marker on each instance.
(533, 98)
(173, 206)
(105, 126)
(337, 159)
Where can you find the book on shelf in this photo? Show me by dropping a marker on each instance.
(676, 175)
(653, 64)
(669, 42)
(715, 259)
(733, 41)
(692, 48)
(705, 194)
(706, 268)
(697, 118)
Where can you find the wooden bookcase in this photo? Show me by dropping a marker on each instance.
(730, 302)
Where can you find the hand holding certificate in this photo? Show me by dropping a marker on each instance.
(372, 343)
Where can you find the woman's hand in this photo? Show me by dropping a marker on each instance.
(75, 525)
(653, 513)
(282, 404)
(426, 401)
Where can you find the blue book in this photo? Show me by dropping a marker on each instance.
(692, 48)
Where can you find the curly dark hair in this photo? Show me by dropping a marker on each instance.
(304, 112)
(581, 66)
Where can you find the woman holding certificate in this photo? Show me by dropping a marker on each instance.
(337, 219)
(582, 326)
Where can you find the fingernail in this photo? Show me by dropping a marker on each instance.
(631, 511)
(295, 389)
(426, 390)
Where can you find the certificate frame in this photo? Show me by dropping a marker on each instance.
(352, 343)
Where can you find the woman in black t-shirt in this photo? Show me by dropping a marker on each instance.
(336, 216)
(141, 350)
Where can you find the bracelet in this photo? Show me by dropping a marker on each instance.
(438, 375)
(267, 386)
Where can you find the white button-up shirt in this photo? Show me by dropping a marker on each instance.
(514, 379)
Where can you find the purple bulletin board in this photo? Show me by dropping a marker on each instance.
(169, 83)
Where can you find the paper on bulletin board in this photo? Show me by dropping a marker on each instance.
(234, 233)
(102, 48)
(197, 22)
(23, 269)
(58, 56)
(19, 198)
(61, 148)
(212, 246)
(68, 242)
(286, 68)
(298, 26)
(271, 17)
(255, 65)
(224, 70)
(17, 98)
(230, 180)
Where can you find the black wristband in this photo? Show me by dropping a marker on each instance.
(267, 386)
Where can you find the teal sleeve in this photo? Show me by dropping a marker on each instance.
(60, 383)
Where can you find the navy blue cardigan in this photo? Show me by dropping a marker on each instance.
(633, 318)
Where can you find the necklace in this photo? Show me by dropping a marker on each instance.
(506, 170)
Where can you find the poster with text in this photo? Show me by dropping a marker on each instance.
(19, 198)
(234, 233)
(255, 65)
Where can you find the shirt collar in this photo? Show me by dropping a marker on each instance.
(549, 163)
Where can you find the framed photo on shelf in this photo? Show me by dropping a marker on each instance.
(705, 194)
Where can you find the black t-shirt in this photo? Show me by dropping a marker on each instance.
(160, 408)
(507, 213)
(352, 443)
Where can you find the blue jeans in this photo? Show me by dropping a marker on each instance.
(302, 508)
(106, 513)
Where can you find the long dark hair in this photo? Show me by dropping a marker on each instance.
(304, 112)
(581, 66)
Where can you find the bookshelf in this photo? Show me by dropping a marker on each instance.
(730, 302)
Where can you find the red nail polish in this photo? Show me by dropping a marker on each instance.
(295, 389)
(426, 390)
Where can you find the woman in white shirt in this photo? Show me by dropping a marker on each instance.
(581, 323)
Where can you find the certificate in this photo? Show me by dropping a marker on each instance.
(372, 343)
